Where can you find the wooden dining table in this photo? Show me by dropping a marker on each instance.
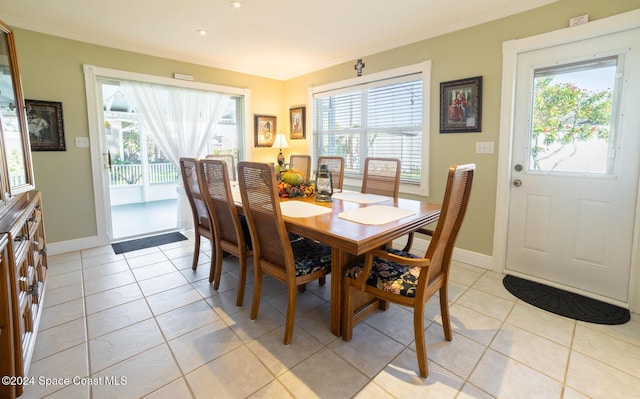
(350, 240)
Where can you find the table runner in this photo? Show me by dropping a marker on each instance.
(300, 209)
(360, 198)
(376, 214)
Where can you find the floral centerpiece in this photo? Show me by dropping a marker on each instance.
(291, 184)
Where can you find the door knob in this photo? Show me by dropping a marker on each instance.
(517, 183)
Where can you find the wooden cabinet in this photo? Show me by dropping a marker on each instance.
(23, 259)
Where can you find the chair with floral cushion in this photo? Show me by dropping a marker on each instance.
(201, 222)
(229, 229)
(293, 263)
(405, 279)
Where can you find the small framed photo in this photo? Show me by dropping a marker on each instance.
(265, 129)
(45, 124)
(461, 105)
(297, 123)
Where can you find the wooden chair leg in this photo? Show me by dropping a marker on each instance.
(421, 345)
(257, 289)
(291, 313)
(322, 280)
(216, 264)
(409, 243)
(444, 313)
(302, 288)
(242, 264)
(196, 250)
(383, 305)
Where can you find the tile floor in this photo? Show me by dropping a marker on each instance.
(142, 324)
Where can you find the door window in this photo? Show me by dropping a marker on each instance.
(571, 128)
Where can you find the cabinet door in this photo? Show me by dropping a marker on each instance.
(17, 173)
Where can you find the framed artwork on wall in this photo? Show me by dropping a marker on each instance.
(461, 105)
(45, 123)
(297, 123)
(265, 129)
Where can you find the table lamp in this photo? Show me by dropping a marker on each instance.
(280, 142)
(324, 184)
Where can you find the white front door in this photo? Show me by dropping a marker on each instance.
(575, 172)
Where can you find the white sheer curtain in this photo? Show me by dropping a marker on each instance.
(181, 121)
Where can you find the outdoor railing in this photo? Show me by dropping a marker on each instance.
(122, 175)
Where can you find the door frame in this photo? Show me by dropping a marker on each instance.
(511, 50)
(96, 133)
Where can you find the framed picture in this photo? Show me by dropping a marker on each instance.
(46, 130)
(265, 129)
(461, 105)
(297, 123)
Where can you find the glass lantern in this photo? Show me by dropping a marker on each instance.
(324, 184)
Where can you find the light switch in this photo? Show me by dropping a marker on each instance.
(484, 147)
(82, 142)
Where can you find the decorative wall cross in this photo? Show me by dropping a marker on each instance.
(358, 67)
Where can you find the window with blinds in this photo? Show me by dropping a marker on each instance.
(381, 118)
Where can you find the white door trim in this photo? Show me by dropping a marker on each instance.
(511, 49)
(91, 73)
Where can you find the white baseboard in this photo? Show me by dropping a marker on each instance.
(79, 244)
(420, 246)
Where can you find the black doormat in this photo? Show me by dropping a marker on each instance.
(147, 242)
(565, 303)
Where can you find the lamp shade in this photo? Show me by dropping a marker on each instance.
(280, 141)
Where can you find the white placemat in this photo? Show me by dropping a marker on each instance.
(360, 198)
(376, 214)
(300, 209)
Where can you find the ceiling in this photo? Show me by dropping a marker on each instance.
(278, 39)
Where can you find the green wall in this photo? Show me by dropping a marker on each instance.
(51, 70)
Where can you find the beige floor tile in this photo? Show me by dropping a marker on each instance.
(57, 296)
(68, 257)
(236, 374)
(369, 350)
(186, 318)
(63, 267)
(177, 389)
(62, 313)
(162, 283)
(599, 381)
(173, 298)
(63, 280)
(491, 282)
(501, 377)
(628, 332)
(153, 270)
(139, 375)
(541, 354)
(323, 375)
(97, 271)
(121, 344)
(318, 324)
(472, 324)
(62, 365)
(570, 393)
(113, 297)
(137, 260)
(105, 250)
(277, 356)
(464, 274)
(402, 380)
(268, 320)
(108, 282)
(396, 322)
(460, 355)
(469, 391)
(545, 324)
(486, 303)
(272, 390)
(117, 317)
(606, 349)
(103, 257)
(305, 302)
(200, 346)
(373, 391)
(59, 338)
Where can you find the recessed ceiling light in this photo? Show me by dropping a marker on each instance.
(236, 3)
(202, 32)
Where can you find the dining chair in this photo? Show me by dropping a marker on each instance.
(231, 163)
(336, 167)
(293, 263)
(201, 223)
(302, 164)
(230, 232)
(405, 279)
(381, 176)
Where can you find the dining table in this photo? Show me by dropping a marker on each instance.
(353, 224)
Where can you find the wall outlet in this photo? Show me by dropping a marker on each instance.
(484, 147)
(579, 20)
(82, 142)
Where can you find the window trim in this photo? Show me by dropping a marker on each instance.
(422, 68)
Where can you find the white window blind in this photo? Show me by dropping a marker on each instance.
(382, 118)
